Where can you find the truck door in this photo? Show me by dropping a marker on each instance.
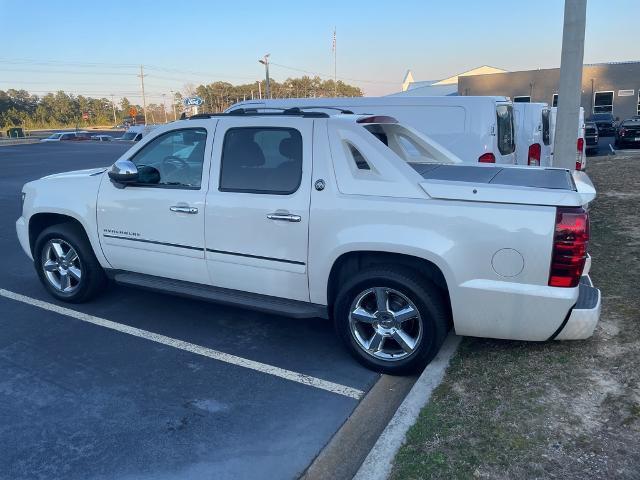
(156, 226)
(257, 214)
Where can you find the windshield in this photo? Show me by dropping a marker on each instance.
(601, 116)
(55, 136)
(410, 145)
(129, 136)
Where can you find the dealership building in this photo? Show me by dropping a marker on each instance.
(606, 87)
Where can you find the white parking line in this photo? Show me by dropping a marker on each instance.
(190, 347)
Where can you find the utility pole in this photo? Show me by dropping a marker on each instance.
(164, 106)
(144, 98)
(115, 122)
(173, 102)
(570, 91)
(335, 64)
(259, 89)
(265, 62)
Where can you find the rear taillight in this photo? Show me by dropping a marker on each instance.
(534, 155)
(623, 132)
(487, 158)
(579, 153)
(570, 242)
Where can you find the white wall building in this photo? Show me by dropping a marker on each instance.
(446, 86)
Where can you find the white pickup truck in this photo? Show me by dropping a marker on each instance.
(351, 217)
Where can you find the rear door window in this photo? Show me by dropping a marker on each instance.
(504, 116)
(261, 160)
(546, 134)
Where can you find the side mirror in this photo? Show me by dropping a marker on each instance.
(123, 172)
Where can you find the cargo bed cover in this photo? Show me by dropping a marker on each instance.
(556, 179)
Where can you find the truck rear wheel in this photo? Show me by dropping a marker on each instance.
(66, 264)
(391, 320)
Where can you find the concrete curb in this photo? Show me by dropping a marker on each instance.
(377, 465)
(10, 143)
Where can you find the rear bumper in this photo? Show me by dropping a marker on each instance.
(628, 141)
(584, 316)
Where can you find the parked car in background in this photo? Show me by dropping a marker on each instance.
(581, 157)
(59, 137)
(628, 134)
(476, 129)
(533, 136)
(81, 136)
(356, 218)
(102, 138)
(606, 124)
(591, 136)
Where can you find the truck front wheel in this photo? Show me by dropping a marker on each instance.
(66, 264)
(391, 320)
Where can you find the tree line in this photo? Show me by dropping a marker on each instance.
(219, 96)
(19, 108)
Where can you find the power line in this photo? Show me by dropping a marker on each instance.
(330, 76)
(181, 71)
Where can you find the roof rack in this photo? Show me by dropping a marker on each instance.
(253, 112)
(296, 109)
(341, 110)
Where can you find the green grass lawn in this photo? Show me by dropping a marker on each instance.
(569, 410)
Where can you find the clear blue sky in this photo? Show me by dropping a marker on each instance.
(46, 45)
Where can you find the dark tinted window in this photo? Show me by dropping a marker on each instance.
(554, 103)
(522, 99)
(173, 159)
(545, 127)
(360, 161)
(602, 117)
(261, 160)
(504, 115)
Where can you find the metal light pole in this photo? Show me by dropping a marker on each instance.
(570, 91)
(265, 62)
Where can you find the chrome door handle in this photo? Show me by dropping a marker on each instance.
(179, 209)
(287, 217)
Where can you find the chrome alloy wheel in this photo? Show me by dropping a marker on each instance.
(385, 323)
(61, 265)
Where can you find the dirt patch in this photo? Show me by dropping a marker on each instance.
(567, 410)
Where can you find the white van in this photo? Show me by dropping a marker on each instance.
(135, 133)
(581, 158)
(476, 129)
(533, 136)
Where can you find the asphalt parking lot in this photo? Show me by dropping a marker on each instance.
(136, 384)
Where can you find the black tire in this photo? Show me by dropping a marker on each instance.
(93, 279)
(426, 297)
